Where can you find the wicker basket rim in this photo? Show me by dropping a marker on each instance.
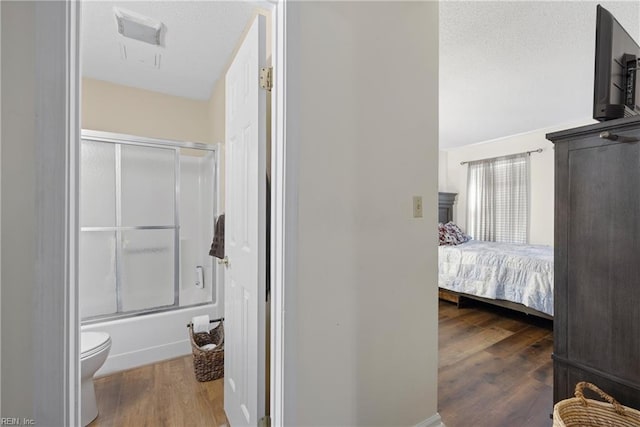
(197, 350)
(630, 414)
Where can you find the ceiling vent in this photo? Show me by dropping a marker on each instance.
(138, 27)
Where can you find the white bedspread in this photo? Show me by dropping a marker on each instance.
(518, 273)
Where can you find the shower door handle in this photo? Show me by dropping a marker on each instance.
(224, 261)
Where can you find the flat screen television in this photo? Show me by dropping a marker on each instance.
(616, 91)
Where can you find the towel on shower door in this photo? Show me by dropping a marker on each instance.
(217, 246)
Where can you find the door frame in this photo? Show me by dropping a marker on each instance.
(279, 227)
(56, 325)
(58, 146)
(283, 223)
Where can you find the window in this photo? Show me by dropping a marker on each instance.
(498, 199)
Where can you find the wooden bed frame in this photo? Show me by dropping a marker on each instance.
(445, 214)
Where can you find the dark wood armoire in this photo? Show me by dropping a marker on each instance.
(597, 259)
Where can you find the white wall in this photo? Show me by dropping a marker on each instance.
(0, 214)
(18, 207)
(362, 122)
(542, 169)
(443, 179)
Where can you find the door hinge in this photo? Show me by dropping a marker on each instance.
(265, 421)
(266, 78)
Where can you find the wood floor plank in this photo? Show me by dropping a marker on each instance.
(470, 344)
(506, 383)
(529, 403)
(162, 394)
(518, 342)
(507, 323)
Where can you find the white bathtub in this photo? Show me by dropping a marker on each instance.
(141, 340)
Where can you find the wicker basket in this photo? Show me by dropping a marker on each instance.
(579, 411)
(208, 364)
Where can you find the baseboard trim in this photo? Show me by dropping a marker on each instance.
(433, 421)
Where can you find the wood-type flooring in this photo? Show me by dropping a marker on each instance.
(495, 370)
(161, 394)
(495, 367)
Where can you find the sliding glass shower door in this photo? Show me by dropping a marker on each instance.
(130, 212)
(149, 225)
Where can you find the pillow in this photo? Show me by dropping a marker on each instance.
(451, 234)
(442, 234)
(456, 233)
(446, 238)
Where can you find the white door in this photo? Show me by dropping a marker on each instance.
(245, 237)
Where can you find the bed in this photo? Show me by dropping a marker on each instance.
(519, 277)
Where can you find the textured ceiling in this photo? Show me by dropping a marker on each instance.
(512, 67)
(200, 38)
(505, 67)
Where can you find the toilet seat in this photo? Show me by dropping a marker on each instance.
(93, 342)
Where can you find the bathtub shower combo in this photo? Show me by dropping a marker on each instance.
(147, 215)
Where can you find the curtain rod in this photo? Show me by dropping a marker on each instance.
(539, 150)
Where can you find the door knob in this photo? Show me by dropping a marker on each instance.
(224, 261)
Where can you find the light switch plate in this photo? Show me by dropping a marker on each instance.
(417, 206)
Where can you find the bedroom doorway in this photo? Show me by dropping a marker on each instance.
(489, 348)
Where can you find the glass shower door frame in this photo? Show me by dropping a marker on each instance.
(119, 140)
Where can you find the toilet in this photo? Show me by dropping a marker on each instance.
(94, 349)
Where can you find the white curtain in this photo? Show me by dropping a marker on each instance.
(498, 199)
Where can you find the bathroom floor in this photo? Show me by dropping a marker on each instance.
(164, 393)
